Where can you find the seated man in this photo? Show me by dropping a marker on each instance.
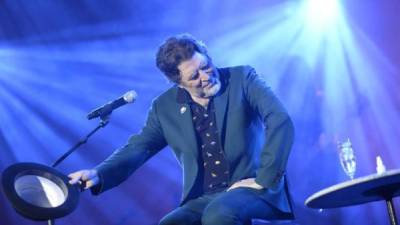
(228, 131)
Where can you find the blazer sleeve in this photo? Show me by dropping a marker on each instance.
(279, 130)
(125, 160)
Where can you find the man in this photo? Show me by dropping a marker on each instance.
(228, 131)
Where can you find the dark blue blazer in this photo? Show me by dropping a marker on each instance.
(254, 128)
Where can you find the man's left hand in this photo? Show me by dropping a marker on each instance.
(249, 182)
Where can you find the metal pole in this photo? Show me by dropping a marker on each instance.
(391, 211)
(102, 124)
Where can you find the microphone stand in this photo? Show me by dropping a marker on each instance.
(104, 121)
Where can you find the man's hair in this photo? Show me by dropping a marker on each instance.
(175, 50)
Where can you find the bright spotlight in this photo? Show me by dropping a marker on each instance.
(321, 14)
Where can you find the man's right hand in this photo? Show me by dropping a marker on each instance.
(89, 177)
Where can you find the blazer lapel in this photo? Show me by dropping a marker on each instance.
(221, 103)
(186, 122)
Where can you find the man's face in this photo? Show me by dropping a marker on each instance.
(199, 77)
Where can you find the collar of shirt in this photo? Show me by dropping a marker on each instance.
(183, 96)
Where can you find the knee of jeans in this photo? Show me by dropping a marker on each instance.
(165, 221)
(171, 219)
(219, 215)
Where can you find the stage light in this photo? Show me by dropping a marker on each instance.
(321, 14)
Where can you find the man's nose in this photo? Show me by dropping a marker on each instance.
(204, 77)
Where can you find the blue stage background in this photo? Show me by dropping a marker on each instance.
(335, 65)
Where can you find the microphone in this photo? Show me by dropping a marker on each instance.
(107, 109)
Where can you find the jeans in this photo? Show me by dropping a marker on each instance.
(235, 207)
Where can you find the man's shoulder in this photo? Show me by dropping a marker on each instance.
(236, 73)
(237, 70)
(167, 96)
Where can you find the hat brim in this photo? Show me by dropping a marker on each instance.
(37, 212)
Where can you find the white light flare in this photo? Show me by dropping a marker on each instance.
(321, 14)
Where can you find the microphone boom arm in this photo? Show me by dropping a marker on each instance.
(104, 121)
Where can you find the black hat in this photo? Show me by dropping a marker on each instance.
(39, 192)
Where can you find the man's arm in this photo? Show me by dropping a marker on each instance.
(279, 130)
(124, 161)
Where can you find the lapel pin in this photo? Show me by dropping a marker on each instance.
(183, 109)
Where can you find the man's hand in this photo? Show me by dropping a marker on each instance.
(249, 182)
(89, 177)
